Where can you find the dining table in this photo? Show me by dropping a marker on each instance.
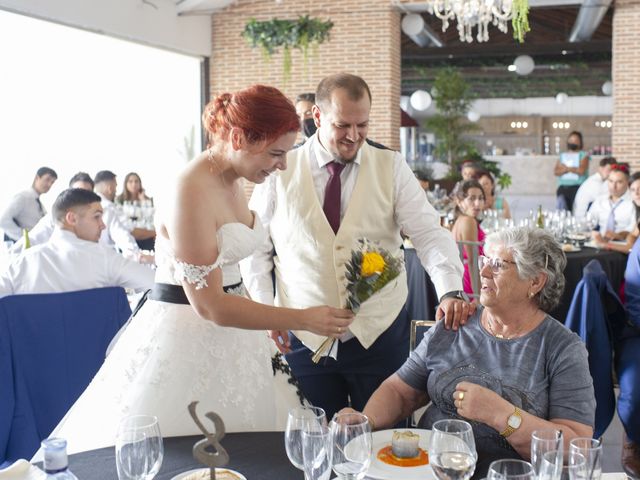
(256, 455)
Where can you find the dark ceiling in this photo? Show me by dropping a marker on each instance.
(580, 70)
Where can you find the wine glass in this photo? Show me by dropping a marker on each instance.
(352, 443)
(317, 452)
(299, 419)
(452, 450)
(510, 470)
(591, 450)
(552, 467)
(139, 449)
(543, 441)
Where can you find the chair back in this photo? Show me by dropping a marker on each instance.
(595, 310)
(472, 263)
(51, 346)
(418, 329)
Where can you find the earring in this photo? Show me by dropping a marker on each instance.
(531, 294)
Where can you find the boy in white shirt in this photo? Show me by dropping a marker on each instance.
(615, 211)
(72, 259)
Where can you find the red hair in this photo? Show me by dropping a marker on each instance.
(262, 113)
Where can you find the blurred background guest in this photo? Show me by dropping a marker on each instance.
(634, 191)
(469, 169)
(117, 234)
(615, 212)
(25, 209)
(72, 259)
(491, 200)
(304, 103)
(572, 169)
(423, 179)
(592, 188)
(132, 190)
(469, 206)
(44, 228)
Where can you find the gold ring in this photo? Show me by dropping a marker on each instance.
(460, 396)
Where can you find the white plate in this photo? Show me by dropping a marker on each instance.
(182, 475)
(383, 471)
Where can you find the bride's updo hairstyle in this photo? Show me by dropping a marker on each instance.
(262, 113)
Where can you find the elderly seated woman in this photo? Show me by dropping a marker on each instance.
(511, 369)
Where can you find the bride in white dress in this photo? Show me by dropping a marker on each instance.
(197, 337)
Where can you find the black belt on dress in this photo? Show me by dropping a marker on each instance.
(165, 292)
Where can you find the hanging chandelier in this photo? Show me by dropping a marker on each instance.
(470, 14)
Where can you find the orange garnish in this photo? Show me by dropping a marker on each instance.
(386, 455)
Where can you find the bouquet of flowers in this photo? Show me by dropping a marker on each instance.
(369, 270)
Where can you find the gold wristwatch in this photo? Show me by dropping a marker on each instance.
(513, 423)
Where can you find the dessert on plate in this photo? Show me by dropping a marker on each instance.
(404, 450)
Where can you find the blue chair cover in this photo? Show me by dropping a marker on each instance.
(51, 346)
(595, 312)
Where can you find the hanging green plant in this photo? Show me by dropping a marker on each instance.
(300, 34)
(520, 19)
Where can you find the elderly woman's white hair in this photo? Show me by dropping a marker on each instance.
(534, 250)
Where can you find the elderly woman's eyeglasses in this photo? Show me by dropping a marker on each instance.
(495, 264)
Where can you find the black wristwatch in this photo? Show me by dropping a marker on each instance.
(459, 294)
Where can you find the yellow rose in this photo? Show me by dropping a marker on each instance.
(372, 262)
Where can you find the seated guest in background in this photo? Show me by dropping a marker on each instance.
(614, 211)
(116, 235)
(491, 200)
(469, 205)
(423, 179)
(634, 191)
(72, 259)
(572, 170)
(511, 369)
(304, 104)
(468, 170)
(44, 228)
(132, 190)
(592, 188)
(24, 209)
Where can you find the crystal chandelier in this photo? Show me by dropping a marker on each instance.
(473, 13)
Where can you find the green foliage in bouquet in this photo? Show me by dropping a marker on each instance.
(368, 271)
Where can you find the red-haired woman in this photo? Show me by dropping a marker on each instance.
(179, 347)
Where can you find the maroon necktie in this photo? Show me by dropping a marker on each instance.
(332, 193)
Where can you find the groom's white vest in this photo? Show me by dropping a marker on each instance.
(310, 259)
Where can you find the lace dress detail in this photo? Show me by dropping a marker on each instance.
(168, 356)
(194, 274)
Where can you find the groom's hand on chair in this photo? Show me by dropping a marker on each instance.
(281, 339)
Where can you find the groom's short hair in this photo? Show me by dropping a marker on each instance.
(355, 87)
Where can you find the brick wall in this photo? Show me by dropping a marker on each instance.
(365, 40)
(626, 83)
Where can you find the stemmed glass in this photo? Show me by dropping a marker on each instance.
(317, 452)
(553, 469)
(452, 450)
(543, 441)
(139, 449)
(591, 450)
(352, 443)
(299, 420)
(510, 470)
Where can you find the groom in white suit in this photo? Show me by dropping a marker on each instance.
(339, 187)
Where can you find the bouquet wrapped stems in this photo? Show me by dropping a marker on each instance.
(368, 271)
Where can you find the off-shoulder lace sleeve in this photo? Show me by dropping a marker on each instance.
(194, 274)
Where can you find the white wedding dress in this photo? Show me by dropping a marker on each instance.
(168, 357)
